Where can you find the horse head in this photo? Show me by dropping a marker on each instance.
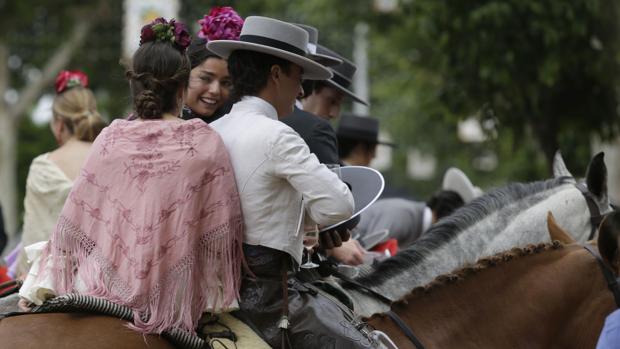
(581, 206)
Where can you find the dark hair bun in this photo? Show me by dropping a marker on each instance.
(148, 105)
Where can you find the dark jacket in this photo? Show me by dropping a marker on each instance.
(317, 132)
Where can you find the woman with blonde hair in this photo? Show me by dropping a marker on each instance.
(75, 125)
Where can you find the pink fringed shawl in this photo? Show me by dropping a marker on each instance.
(154, 223)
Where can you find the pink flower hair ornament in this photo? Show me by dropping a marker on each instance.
(161, 30)
(222, 23)
(67, 79)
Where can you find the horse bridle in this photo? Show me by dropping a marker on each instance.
(610, 278)
(595, 213)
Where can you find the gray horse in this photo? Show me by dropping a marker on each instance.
(507, 217)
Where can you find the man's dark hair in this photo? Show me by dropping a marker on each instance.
(312, 86)
(444, 202)
(249, 71)
(346, 146)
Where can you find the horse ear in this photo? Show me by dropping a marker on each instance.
(608, 240)
(559, 167)
(596, 176)
(556, 232)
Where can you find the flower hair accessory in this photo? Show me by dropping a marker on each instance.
(67, 79)
(162, 30)
(222, 23)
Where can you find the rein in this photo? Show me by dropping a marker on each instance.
(612, 281)
(595, 213)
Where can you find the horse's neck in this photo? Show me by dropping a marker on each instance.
(516, 225)
(528, 298)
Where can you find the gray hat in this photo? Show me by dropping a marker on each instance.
(343, 74)
(313, 41)
(276, 38)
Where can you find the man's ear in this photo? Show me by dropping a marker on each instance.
(275, 73)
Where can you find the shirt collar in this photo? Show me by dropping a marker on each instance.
(258, 104)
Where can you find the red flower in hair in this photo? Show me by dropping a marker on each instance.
(222, 23)
(67, 79)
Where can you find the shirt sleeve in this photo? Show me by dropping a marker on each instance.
(327, 199)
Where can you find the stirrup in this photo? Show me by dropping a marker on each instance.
(382, 338)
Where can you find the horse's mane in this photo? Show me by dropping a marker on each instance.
(449, 227)
(482, 264)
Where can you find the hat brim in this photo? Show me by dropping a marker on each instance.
(325, 60)
(311, 70)
(366, 183)
(456, 180)
(347, 92)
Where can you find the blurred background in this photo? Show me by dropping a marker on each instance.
(491, 87)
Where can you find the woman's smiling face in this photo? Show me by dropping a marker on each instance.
(209, 86)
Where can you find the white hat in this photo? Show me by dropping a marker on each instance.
(276, 38)
(455, 180)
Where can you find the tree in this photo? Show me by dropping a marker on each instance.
(542, 69)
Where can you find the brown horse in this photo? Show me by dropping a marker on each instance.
(543, 296)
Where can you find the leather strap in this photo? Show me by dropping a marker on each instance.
(327, 266)
(612, 282)
(595, 214)
(283, 323)
(406, 330)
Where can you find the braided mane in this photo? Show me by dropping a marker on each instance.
(482, 264)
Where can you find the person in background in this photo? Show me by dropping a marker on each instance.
(209, 86)
(358, 138)
(406, 220)
(3, 236)
(75, 125)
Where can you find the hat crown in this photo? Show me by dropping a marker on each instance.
(344, 71)
(359, 128)
(272, 29)
(313, 33)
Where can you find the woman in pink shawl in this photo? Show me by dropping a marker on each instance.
(154, 220)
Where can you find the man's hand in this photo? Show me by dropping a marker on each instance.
(333, 238)
(351, 253)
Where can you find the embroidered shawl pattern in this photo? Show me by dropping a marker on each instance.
(154, 223)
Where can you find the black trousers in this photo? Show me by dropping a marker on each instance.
(315, 321)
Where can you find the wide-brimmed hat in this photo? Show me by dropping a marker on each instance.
(313, 41)
(343, 74)
(360, 128)
(456, 180)
(276, 38)
(366, 185)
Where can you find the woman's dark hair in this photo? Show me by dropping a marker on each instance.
(249, 71)
(197, 52)
(444, 202)
(159, 71)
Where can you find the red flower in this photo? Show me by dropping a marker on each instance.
(222, 23)
(67, 79)
(147, 34)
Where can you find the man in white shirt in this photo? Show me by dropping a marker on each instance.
(279, 180)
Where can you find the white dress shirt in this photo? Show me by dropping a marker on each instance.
(278, 178)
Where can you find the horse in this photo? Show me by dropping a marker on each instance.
(549, 295)
(506, 217)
